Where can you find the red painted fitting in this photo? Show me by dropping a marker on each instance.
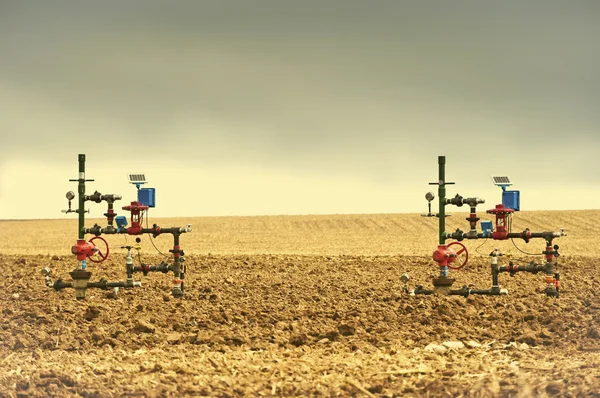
(501, 212)
(549, 253)
(83, 249)
(176, 253)
(135, 208)
(110, 215)
(443, 255)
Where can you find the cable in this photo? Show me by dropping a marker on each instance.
(151, 238)
(478, 247)
(529, 254)
(513, 241)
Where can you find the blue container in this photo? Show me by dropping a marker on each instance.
(147, 196)
(487, 226)
(121, 221)
(511, 199)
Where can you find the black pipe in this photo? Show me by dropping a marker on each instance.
(145, 268)
(487, 292)
(101, 284)
(526, 235)
(461, 235)
(531, 267)
(60, 284)
(97, 230)
(420, 290)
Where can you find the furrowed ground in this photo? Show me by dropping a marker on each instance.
(297, 306)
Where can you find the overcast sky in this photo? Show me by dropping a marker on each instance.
(293, 107)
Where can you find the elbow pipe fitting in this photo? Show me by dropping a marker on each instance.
(473, 202)
(110, 198)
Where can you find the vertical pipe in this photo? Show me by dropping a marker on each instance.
(81, 191)
(442, 197)
(177, 281)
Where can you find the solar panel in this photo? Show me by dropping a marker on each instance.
(501, 180)
(137, 178)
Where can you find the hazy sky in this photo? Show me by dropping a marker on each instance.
(294, 107)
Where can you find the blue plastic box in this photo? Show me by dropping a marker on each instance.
(487, 226)
(147, 196)
(511, 199)
(121, 221)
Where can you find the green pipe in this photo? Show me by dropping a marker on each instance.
(81, 191)
(442, 197)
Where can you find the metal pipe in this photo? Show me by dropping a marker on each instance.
(81, 192)
(526, 235)
(531, 267)
(442, 197)
(97, 230)
(488, 292)
(104, 284)
(178, 260)
(60, 284)
(460, 235)
(145, 268)
(420, 290)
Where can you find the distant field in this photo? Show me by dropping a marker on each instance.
(296, 306)
(370, 234)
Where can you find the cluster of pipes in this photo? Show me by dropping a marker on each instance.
(445, 254)
(86, 250)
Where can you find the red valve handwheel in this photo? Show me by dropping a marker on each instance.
(102, 256)
(458, 253)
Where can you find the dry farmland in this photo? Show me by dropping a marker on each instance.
(300, 306)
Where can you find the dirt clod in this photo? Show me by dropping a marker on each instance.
(91, 313)
(144, 327)
(346, 330)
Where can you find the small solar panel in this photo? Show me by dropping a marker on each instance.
(501, 180)
(137, 178)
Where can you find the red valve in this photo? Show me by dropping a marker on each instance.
(136, 225)
(444, 255)
(503, 215)
(97, 251)
(458, 253)
(85, 250)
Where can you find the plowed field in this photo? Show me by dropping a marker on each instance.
(300, 306)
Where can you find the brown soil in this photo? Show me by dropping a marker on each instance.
(294, 325)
